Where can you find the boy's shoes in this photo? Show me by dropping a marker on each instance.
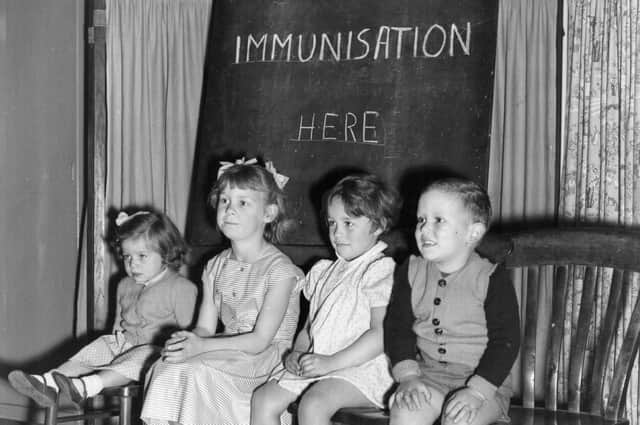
(28, 385)
(69, 395)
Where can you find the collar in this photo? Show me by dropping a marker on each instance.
(156, 278)
(376, 249)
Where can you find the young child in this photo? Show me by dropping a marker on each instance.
(338, 359)
(457, 310)
(153, 301)
(208, 378)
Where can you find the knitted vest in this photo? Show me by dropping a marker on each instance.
(450, 317)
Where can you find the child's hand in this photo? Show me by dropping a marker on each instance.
(464, 402)
(181, 346)
(291, 362)
(312, 365)
(412, 394)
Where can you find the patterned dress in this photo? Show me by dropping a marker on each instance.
(341, 294)
(146, 315)
(216, 387)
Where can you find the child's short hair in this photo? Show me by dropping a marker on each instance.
(258, 178)
(473, 196)
(367, 195)
(159, 231)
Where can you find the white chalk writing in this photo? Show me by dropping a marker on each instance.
(382, 43)
(345, 127)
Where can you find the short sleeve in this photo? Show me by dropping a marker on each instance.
(284, 270)
(377, 281)
(311, 280)
(212, 269)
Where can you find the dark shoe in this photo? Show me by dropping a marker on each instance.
(39, 392)
(69, 395)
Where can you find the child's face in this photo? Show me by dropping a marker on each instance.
(140, 261)
(445, 232)
(350, 236)
(242, 213)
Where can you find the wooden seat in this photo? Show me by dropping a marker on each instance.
(589, 388)
(123, 409)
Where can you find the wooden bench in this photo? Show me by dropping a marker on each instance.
(588, 397)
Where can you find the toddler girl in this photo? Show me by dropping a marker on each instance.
(338, 359)
(207, 377)
(458, 311)
(152, 302)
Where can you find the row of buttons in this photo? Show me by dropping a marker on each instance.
(441, 283)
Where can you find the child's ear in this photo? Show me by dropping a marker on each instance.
(270, 213)
(476, 232)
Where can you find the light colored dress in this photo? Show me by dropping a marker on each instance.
(216, 387)
(341, 295)
(146, 315)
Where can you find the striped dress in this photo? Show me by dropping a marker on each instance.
(216, 387)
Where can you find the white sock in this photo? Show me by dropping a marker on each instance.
(92, 384)
(48, 380)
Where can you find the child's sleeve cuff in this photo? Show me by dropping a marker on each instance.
(405, 369)
(484, 387)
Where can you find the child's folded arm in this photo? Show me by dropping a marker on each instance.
(117, 322)
(302, 341)
(503, 330)
(184, 302)
(399, 337)
(208, 315)
(266, 326)
(368, 346)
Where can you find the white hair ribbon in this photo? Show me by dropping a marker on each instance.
(123, 217)
(224, 165)
(281, 180)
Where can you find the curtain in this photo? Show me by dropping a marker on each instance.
(600, 180)
(522, 166)
(155, 52)
(155, 62)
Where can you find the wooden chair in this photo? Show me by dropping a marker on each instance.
(562, 253)
(123, 409)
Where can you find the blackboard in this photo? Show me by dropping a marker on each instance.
(321, 87)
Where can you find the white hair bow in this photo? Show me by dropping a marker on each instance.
(281, 180)
(123, 217)
(224, 165)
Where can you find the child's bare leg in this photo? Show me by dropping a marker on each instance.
(268, 402)
(325, 397)
(426, 415)
(488, 413)
(111, 378)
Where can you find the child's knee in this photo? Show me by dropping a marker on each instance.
(311, 405)
(424, 416)
(261, 400)
(267, 401)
